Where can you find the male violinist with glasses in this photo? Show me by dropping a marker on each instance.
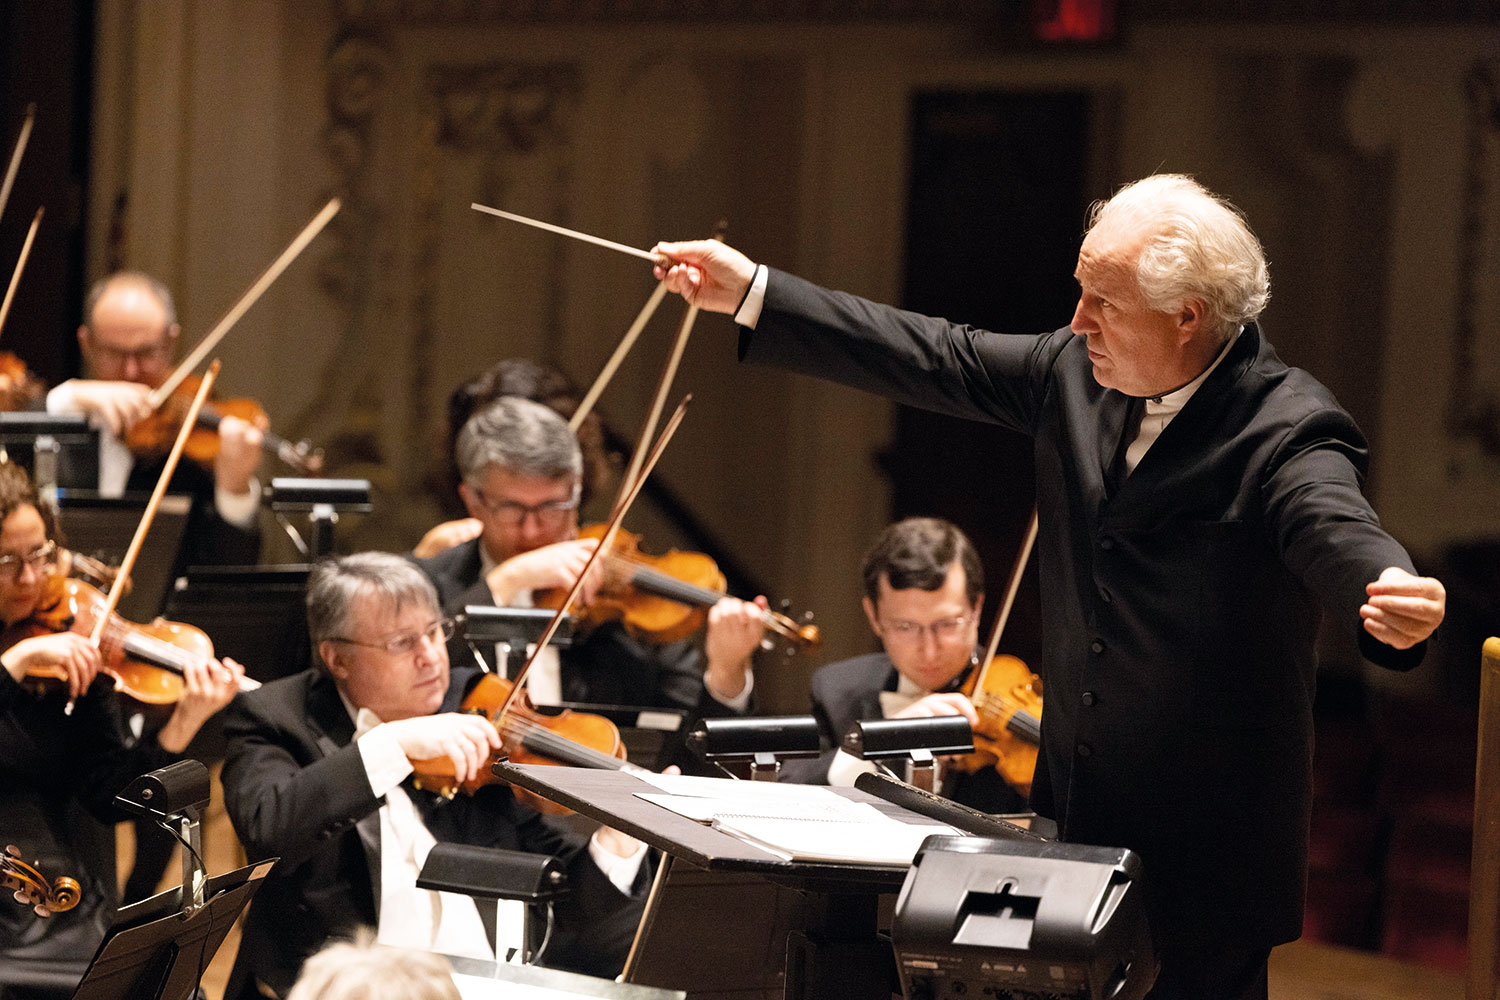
(924, 586)
(522, 474)
(317, 773)
(129, 341)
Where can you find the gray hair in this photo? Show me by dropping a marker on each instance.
(1196, 246)
(155, 288)
(364, 970)
(337, 582)
(521, 437)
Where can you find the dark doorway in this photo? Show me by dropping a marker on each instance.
(997, 200)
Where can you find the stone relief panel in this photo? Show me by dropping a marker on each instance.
(1474, 409)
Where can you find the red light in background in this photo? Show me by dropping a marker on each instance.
(1073, 20)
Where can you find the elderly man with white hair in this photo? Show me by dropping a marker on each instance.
(1198, 500)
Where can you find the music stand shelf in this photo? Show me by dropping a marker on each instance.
(609, 797)
(821, 919)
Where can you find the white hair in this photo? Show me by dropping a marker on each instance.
(363, 970)
(1195, 246)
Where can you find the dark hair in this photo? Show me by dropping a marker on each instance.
(539, 383)
(17, 491)
(916, 553)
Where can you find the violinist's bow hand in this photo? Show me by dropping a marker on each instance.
(115, 406)
(1403, 609)
(707, 273)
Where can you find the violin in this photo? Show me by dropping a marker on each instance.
(20, 388)
(664, 598)
(154, 435)
(1008, 699)
(146, 662)
(576, 739)
(34, 889)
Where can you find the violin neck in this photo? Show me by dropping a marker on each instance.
(662, 585)
(298, 456)
(154, 652)
(1026, 726)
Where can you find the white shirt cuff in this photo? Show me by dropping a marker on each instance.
(748, 313)
(621, 872)
(386, 765)
(238, 509)
(847, 767)
(60, 400)
(739, 702)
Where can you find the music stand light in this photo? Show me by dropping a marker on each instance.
(764, 741)
(322, 500)
(495, 873)
(915, 741)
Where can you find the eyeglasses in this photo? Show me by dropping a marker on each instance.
(942, 630)
(38, 559)
(120, 357)
(511, 514)
(437, 633)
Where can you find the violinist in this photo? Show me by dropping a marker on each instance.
(522, 470)
(924, 587)
(54, 766)
(316, 771)
(128, 340)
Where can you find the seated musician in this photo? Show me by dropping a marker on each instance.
(509, 377)
(52, 762)
(924, 586)
(521, 470)
(315, 774)
(128, 339)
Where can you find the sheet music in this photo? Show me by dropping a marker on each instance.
(795, 822)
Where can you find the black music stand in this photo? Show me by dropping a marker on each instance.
(777, 928)
(104, 526)
(58, 451)
(157, 950)
(255, 614)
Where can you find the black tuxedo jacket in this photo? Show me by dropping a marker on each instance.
(847, 692)
(1179, 611)
(605, 666)
(295, 788)
(208, 539)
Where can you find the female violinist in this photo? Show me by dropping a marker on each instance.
(924, 586)
(521, 470)
(55, 765)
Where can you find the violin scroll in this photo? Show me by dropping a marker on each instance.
(31, 887)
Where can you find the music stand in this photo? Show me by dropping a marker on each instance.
(778, 928)
(256, 614)
(66, 445)
(156, 952)
(104, 526)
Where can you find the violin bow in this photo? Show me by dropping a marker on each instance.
(15, 157)
(253, 293)
(116, 589)
(679, 346)
(1003, 615)
(612, 528)
(15, 277)
(622, 349)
